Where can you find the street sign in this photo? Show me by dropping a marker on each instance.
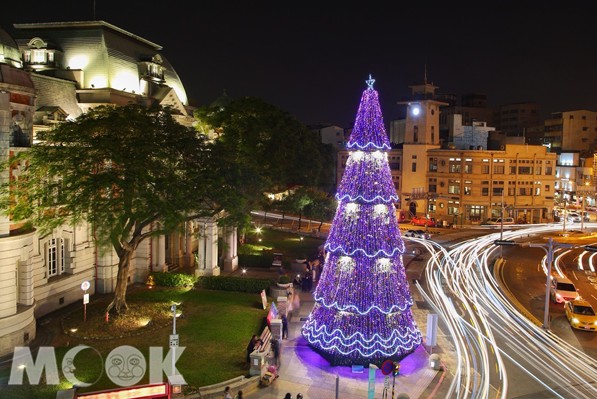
(173, 340)
(504, 242)
(85, 285)
(387, 367)
(85, 299)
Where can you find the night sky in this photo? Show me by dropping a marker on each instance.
(312, 60)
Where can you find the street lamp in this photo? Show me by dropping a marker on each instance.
(548, 248)
(502, 225)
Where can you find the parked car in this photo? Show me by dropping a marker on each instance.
(422, 221)
(498, 221)
(562, 289)
(581, 315)
(417, 234)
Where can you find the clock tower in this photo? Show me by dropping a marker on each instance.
(421, 133)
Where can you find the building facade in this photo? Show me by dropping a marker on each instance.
(51, 72)
(468, 183)
(572, 131)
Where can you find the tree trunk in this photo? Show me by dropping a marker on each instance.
(119, 301)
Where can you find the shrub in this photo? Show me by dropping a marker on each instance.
(179, 280)
(284, 279)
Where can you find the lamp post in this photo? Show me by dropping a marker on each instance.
(502, 225)
(548, 248)
(565, 217)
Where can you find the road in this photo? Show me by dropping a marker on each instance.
(501, 351)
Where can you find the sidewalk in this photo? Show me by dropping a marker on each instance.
(304, 371)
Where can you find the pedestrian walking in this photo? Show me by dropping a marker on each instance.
(288, 395)
(239, 395)
(227, 394)
(284, 327)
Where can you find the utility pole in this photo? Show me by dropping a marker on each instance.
(565, 217)
(548, 248)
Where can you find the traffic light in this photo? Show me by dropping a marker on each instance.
(504, 242)
(396, 370)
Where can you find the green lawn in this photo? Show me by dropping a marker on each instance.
(215, 328)
(292, 245)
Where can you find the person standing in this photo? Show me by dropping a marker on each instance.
(251, 347)
(239, 395)
(284, 327)
(276, 351)
(227, 394)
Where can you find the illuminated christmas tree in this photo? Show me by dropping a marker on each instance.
(362, 312)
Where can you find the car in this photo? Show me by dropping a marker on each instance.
(417, 234)
(581, 315)
(422, 221)
(562, 289)
(573, 217)
(498, 221)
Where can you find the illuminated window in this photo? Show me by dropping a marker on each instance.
(38, 56)
(454, 186)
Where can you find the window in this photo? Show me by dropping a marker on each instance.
(524, 190)
(485, 169)
(416, 134)
(432, 164)
(485, 191)
(525, 170)
(548, 170)
(432, 132)
(38, 56)
(414, 167)
(55, 256)
(454, 186)
(498, 169)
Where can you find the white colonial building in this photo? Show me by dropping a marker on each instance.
(50, 72)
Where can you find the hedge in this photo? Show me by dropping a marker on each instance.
(230, 283)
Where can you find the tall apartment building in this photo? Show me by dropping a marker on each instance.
(516, 118)
(50, 72)
(572, 131)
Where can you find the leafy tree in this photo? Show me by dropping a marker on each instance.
(122, 169)
(263, 148)
(299, 200)
(322, 207)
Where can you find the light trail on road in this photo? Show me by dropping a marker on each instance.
(494, 338)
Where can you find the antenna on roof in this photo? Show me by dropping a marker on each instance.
(425, 77)
(94, 10)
